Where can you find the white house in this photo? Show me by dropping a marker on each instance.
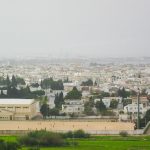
(51, 100)
(69, 86)
(106, 102)
(133, 108)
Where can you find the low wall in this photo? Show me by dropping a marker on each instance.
(135, 132)
(93, 132)
(14, 132)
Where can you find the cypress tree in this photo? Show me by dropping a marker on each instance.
(13, 81)
(8, 81)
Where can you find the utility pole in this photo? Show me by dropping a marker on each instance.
(138, 111)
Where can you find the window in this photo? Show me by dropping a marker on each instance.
(2, 107)
(18, 107)
(25, 107)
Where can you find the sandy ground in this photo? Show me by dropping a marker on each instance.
(65, 125)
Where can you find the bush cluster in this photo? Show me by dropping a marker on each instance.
(123, 134)
(9, 145)
(76, 134)
(42, 138)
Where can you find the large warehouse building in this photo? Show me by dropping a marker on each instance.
(18, 109)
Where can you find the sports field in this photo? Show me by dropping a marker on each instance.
(65, 125)
(103, 143)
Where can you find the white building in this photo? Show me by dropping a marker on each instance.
(133, 108)
(32, 89)
(51, 100)
(106, 102)
(69, 86)
(85, 93)
(73, 106)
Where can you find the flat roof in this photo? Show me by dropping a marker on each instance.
(16, 101)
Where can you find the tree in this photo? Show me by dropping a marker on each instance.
(122, 93)
(13, 81)
(53, 112)
(3, 81)
(38, 93)
(43, 138)
(100, 106)
(95, 84)
(89, 82)
(59, 100)
(88, 107)
(44, 110)
(145, 119)
(113, 104)
(8, 81)
(133, 93)
(139, 75)
(2, 94)
(50, 83)
(14, 92)
(143, 92)
(46, 83)
(105, 94)
(74, 94)
(20, 81)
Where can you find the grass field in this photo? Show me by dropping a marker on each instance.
(103, 143)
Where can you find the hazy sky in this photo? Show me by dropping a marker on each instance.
(95, 28)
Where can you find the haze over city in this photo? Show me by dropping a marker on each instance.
(74, 74)
(77, 28)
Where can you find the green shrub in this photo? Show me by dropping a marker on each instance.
(42, 138)
(81, 134)
(123, 134)
(13, 146)
(76, 134)
(3, 145)
(69, 134)
(27, 140)
(8, 145)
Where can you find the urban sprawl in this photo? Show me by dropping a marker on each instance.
(105, 92)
